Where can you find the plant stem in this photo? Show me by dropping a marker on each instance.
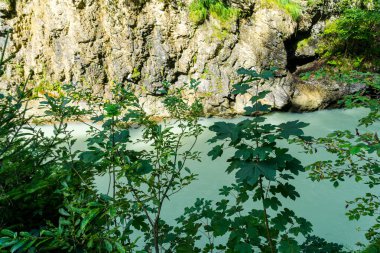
(113, 156)
(266, 216)
(155, 235)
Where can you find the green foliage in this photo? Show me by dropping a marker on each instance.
(357, 154)
(41, 172)
(315, 244)
(263, 174)
(293, 8)
(338, 73)
(361, 4)
(150, 176)
(199, 11)
(31, 163)
(354, 34)
(373, 247)
(140, 181)
(84, 226)
(136, 74)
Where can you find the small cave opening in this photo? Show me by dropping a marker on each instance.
(293, 61)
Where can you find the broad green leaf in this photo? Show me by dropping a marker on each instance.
(247, 72)
(289, 245)
(240, 88)
(304, 227)
(354, 150)
(63, 212)
(225, 130)
(267, 74)
(216, 152)
(8, 243)
(248, 172)
(88, 218)
(272, 202)
(243, 152)
(91, 156)
(7, 232)
(292, 128)
(119, 247)
(256, 108)
(242, 247)
(112, 110)
(121, 136)
(108, 245)
(261, 95)
(219, 225)
(251, 171)
(144, 167)
(262, 152)
(18, 246)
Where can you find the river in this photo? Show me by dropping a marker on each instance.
(320, 203)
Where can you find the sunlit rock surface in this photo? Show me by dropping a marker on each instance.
(94, 43)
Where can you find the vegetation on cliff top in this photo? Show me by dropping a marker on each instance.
(293, 8)
(200, 10)
(355, 34)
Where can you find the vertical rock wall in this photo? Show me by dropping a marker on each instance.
(97, 42)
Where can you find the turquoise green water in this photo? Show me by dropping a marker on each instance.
(320, 203)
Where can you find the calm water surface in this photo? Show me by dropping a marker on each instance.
(320, 203)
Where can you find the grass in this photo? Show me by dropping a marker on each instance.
(223, 12)
(200, 10)
(292, 7)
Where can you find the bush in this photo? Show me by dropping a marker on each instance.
(352, 40)
(27, 179)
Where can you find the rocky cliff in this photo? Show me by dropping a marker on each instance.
(97, 42)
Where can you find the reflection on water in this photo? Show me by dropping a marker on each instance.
(320, 203)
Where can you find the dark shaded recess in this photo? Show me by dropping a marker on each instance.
(287, 108)
(12, 13)
(372, 93)
(291, 46)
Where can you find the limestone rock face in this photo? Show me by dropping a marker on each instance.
(317, 94)
(97, 42)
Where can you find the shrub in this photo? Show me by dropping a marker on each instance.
(31, 163)
(359, 4)
(140, 181)
(352, 40)
(356, 32)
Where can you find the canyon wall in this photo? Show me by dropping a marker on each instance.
(95, 43)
